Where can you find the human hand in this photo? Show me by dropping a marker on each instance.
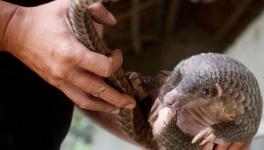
(42, 38)
(233, 146)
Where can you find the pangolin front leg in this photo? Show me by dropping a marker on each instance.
(145, 86)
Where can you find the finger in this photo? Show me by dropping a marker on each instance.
(98, 88)
(209, 146)
(100, 64)
(240, 146)
(236, 146)
(101, 15)
(62, 4)
(85, 101)
(246, 146)
(222, 146)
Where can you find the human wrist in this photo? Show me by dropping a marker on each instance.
(11, 17)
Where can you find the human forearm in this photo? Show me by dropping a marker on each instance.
(7, 12)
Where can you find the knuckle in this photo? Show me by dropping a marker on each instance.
(98, 92)
(85, 105)
(70, 57)
(58, 74)
(108, 70)
(57, 83)
(67, 53)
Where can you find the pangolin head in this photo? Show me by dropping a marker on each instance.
(204, 90)
(204, 77)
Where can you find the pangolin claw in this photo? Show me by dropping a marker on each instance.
(206, 134)
(210, 138)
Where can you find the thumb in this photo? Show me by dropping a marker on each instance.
(101, 15)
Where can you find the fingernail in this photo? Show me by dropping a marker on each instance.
(117, 111)
(112, 18)
(130, 106)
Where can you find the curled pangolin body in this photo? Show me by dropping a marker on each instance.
(133, 121)
(232, 77)
(240, 96)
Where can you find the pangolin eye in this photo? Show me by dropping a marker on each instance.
(206, 92)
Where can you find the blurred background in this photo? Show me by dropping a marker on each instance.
(157, 34)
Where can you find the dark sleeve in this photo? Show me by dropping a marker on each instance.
(28, 3)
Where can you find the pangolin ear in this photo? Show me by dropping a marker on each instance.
(219, 89)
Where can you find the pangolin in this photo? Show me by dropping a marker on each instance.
(208, 98)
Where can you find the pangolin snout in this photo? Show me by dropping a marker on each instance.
(174, 98)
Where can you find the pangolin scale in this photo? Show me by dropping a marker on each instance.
(208, 98)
